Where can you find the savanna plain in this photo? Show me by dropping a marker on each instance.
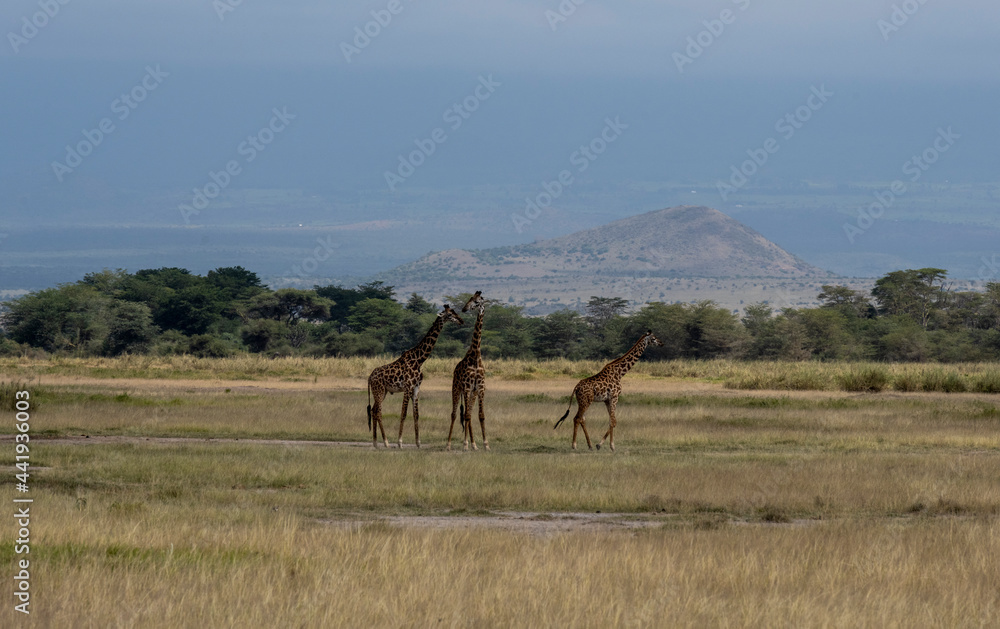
(184, 492)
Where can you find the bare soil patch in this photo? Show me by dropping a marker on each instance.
(538, 524)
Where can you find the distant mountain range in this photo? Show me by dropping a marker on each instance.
(680, 250)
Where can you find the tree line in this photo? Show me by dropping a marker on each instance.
(909, 315)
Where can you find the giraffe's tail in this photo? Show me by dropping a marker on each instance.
(369, 405)
(461, 413)
(566, 414)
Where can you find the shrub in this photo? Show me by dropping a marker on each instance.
(864, 379)
(907, 381)
(207, 346)
(953, 383)
(988, 382)
(8, 394)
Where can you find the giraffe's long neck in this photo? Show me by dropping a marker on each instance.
(477, 332)
(631, 357)
(422, 350)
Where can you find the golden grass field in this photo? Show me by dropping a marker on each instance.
(245, 492)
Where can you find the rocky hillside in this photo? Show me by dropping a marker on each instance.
(678, 242)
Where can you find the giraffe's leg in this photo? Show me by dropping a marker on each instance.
(377, 424)
(611, 403)
(402, 418)
(376, 419)
(482, 416)
(416, 416)
(579, 421)
(467, 420)
(455, 394)
(586, 435)
(614, 421)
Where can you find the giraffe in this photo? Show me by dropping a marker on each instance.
(403, 375)
(469, 381)
(605, 386)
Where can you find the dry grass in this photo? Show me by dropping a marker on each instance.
(769, 508)
(167, 567)
(814, 376)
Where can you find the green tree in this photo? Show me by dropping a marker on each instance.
(191, 310)
(847, 300)
(827, 334)
(780, 337)
(560, 335)
(667, 321)
(69, 318)
(506, 333)
(418, 305)
(345, 299)
(296, 305)
(917, 293)
(107, 282)
(261, 335)
(901, 339)
(604, 314)
(130, 328)
(991, 306)
(234, 283)
(713, 332)
(758, 318)
(352, 344)
(382, 318)
(602, 310)
(289, 306)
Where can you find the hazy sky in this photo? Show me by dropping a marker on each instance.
(699, 88)
(935, 38)
(697, 84)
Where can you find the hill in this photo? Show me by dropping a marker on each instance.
(641, 258)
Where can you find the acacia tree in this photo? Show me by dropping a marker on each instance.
(67, 318)
(289, 305)
(601, 310)
(130, 328)
(847, 300)
(918, 293)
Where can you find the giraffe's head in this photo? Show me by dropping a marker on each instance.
(450, 315)
(474, 302)
(651, 338)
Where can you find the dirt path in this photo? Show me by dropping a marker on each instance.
(541, 524)
(436, 383)
(119, 439)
